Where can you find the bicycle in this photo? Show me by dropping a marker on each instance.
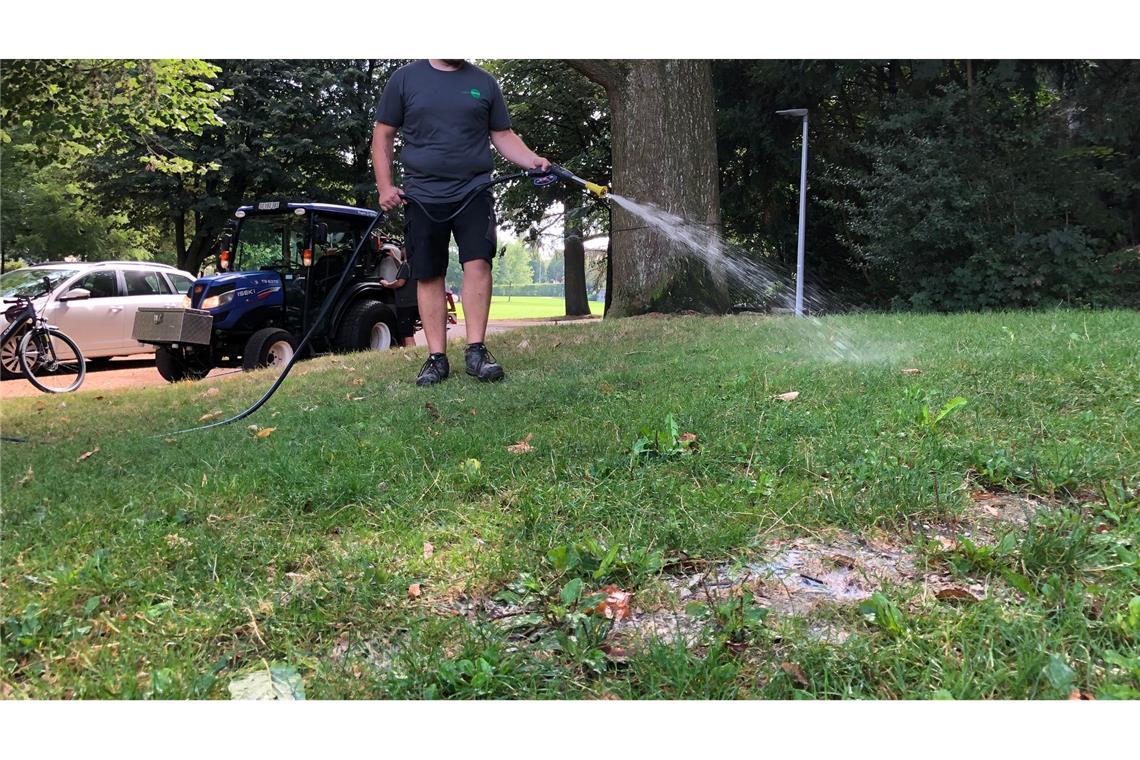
(39, 350)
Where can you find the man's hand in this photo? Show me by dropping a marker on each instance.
(541, 163)
(390, 197)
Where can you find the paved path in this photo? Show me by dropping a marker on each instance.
(139, 371)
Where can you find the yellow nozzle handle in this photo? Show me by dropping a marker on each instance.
(598, 190)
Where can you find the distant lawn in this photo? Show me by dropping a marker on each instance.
(384, 540)
(529, 307)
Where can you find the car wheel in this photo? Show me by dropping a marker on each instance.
(174, 367)
(268, 347)
(9, 357)
(368, 326)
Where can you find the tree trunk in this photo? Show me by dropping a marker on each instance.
(664, 152)
(574, 257)
(180, 238)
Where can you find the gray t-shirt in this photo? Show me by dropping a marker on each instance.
(445, 119)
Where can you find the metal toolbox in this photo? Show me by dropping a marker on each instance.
(173, 325)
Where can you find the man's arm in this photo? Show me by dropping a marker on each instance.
(383, 151)
(512, 148)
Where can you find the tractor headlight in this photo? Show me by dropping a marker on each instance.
(213, 302)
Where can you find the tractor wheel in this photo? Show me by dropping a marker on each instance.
(268, 347)
(173, 367)
(368, 326)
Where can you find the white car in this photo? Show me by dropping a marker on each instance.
(100, 323)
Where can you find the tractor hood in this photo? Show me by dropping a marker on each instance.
(237, 290)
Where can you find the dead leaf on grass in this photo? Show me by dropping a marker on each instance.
(210, 416)
(615, 606)
(414, 590)
(88, 454)
(789, 396)
(912, 371)
(212, 391)
(523, 446)
(29, 476)
(955, 594)
(358, 381)
(429, 550)
(265, 432)
(524, 344)
(795, 672)
(435, 415)
(1081, 695)
(340, 647)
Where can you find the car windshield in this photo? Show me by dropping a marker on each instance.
(30, 282)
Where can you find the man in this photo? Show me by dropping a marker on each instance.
(448, 112)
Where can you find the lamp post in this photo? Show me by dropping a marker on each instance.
(793, 113)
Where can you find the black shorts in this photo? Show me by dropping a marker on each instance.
(427, 241)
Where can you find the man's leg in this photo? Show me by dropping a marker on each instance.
(475, 234)
(476, 299)
(433, 312)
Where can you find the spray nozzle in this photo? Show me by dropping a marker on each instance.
(556, 172)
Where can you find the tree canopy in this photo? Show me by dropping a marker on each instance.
(942, 185)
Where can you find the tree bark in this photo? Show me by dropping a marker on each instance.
(664, 152)
(574, 258)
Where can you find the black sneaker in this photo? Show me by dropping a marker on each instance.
(481, 364)
(435, 370)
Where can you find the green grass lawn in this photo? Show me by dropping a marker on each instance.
(529, 307)
(168, 566)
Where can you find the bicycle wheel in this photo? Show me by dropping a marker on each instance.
(40, 352)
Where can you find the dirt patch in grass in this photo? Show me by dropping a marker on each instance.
(989, 515)
(794, 577)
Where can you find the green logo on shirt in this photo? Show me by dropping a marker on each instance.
(475, 93)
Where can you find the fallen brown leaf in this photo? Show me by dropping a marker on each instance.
(429, 550)
(210, 416)
(88, 454)
(1081, 694)
(435, 415)
(472, 411)
(265, 432)
(955, 594)
(358, 381)
(340, 647)
(523, 446)
(524, 344)
(615, 606)
(789, 396)
(414, 590)
(29, 476)
(687, 437)
(912, 371)
(795, 672)
(213, 391)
